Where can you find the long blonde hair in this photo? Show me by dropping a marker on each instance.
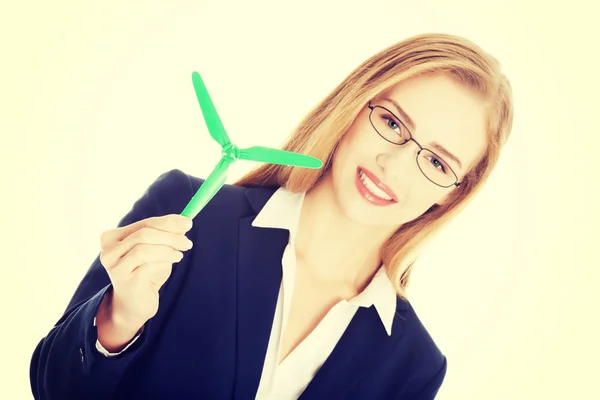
(319, 133)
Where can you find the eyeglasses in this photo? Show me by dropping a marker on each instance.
(391, 129)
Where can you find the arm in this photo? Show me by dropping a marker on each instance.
(107, 353)
(66, 363)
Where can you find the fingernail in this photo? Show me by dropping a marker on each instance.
(190, 244)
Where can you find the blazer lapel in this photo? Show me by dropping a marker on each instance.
(259, 275)
(360, 349)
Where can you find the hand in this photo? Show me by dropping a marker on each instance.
(138, 259)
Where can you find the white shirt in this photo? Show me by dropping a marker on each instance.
(289, 379)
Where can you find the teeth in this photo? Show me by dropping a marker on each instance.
(373, 187)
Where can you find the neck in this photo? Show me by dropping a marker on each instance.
(335, 249)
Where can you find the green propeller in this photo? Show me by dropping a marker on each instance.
(231, 153)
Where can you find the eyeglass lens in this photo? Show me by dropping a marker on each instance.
(393, 130)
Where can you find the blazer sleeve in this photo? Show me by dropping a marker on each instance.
(431, 389)
(66, 363)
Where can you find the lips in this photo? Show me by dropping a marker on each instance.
(379, 184)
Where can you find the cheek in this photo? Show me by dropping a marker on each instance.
(422, 197)
(419, 200)
(344, 153)
(357, 145)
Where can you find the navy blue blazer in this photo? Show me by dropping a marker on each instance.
(210, 335)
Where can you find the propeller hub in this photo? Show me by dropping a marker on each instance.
(231, 152)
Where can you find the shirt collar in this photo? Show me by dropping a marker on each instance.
(282, 211)
(381, 293)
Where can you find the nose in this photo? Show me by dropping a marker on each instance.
(399, 164)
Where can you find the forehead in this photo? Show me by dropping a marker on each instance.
(444, 112)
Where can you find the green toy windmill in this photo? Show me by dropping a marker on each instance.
(231, 153)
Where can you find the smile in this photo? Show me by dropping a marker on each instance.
(373, 190)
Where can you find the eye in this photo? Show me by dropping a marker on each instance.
(394, 125)
(438, 164)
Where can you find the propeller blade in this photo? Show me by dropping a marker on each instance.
(209, 188)
(277, 156)
(211, 117)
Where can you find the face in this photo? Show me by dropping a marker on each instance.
(378, 183)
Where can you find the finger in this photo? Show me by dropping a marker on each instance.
(143, 254)
(145, 235)
(155, 273)
(169, 223)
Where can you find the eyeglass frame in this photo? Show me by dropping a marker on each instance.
(410, 138)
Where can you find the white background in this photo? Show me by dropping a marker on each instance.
(97, 101)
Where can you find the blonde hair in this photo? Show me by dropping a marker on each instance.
(319, 133)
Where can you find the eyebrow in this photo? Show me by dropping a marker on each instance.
(446, 153)
(403, 114)
(411, 124)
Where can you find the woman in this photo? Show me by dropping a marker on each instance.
(295, 284)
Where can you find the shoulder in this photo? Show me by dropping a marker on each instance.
(415, 331)
(428, 363)
(173, 189)
(176, 181)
